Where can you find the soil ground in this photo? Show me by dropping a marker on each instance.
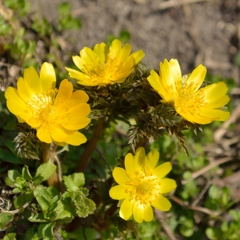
(192, 31)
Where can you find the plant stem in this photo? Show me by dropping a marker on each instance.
(47, 154)
(59, 172)
(84, 160)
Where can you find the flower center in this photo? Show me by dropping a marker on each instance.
(103, 73)
(41, 106)
(189, 99)
(145, 188)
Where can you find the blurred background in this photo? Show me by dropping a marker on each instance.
(193, 31)
(206, 202)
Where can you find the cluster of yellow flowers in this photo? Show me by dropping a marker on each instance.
(58, 114)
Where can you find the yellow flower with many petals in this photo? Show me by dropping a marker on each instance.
(194, 104)
(57, 115)
(102, 65)
(142, 186)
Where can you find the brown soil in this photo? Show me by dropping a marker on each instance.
(193, 31)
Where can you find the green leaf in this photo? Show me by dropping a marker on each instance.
(46, 196)
(10, 236)
(13, 174)
(214, 192)
(84, 206)
(74, 182)
(186, 228)
(213, 233)
(22, 199)
(9, 157)
(5, 28)
(62, 209)
(64, 8)
(235, 215)
(46, 230)
(17, 190)
(9, 183)
(44, 172)
(124, 36)
(42, 191)
(226, 195)
(39, 217)
(21, 183)
(26, 174)
(4, 219)
(224, 226)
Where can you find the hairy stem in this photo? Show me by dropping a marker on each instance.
(59, 173)
(84, 160)
(47, 154)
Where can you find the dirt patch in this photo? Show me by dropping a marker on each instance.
(194, 32)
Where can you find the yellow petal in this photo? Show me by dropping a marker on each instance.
(125, 69)
(115, 48)
(175, 70)
(31, 76)
(129, 165)
(82, 77)
(76, 139)
(219, 102)
(215, 114)
(138, 56)
(86, 82)
(15, 104)
(152, 159)
(167, 80)
(162, 170)
(153, 79)
(59, 134)
(167, 185)
(148, 213)
(139, 159)
(33, 122)
(24, 90)
(124, 52)
(138, 212)
(101, 50)
(11, 93)
(89, 56)
(47, 77)
(120, 175)
(64, 93)
(118, 192)
(126, 209)
(215, 89)
(194, 118)
(43, 135)
(162, 204)
(77, 97)
(82, 109)
(197, 76)
(215, 94)
(79, 62)
(165, 74)
(74, 123)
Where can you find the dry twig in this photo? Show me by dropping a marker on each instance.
(207, 168)
(177, 3)
(168, 231)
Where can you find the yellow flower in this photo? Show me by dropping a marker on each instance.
(142, 186)
(195, 104)
(102, 65)
(55, 114)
